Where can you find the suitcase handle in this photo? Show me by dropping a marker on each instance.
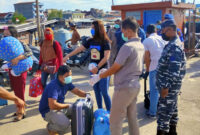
(145, 87)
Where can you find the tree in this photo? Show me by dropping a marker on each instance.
(55, 14)
(18, 18)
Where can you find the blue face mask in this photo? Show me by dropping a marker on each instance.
(92, 32)
(68, 79)
(116, 26)
(124, 38)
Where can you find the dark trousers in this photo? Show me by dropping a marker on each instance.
(168, 110)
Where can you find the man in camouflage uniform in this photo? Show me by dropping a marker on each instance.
(170, 72)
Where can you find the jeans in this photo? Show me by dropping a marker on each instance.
(154, 94)
(101, 89)
(44, 78)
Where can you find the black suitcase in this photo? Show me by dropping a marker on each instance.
(146, 95)
(82, 117)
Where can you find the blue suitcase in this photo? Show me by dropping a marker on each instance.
(3, 102)
(101, 123)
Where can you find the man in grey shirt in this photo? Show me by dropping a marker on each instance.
(126, 69)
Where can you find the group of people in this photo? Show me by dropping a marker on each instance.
(120, 53)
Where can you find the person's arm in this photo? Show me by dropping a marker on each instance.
(114, 69)
(67, 41)
(27, 53)
(147, 57)
(105, 59)
(122, 56)
(79, 92)
(54, 105)
(76, 51)
(4, 94)
(59, 53)
(40, 59)
(147, 60)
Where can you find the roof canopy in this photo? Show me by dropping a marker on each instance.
(153, 5)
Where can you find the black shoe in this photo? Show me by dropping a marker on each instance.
(161, 132)
(172, 130)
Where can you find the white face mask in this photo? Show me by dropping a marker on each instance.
(68, 79)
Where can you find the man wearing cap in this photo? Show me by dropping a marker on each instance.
(75, 36)
(170, 72)
(171, 17)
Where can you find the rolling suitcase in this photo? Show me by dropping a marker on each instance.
(3, 102)
(82, 117)
(146, 95)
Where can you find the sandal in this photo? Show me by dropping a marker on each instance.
(15, 114)
(19, 117)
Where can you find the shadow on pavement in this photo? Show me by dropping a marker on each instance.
(141, 117)
(37, 132)
(195, 75)
(32, 112)
(32, 103)
(7, 111)
(194, 67)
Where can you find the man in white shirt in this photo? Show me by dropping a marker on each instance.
(153, 45)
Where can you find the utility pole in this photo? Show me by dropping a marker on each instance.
(38, 20)
(112, 2)
(189, 29)
(193, 28)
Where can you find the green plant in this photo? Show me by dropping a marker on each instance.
(18, 18)
(55, 14)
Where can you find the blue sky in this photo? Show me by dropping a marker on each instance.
(7, 5)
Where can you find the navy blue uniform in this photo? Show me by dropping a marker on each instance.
(170, 72)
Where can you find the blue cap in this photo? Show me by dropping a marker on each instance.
(158, 27)
(167, 23)
(71, 24)
(169, 16)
